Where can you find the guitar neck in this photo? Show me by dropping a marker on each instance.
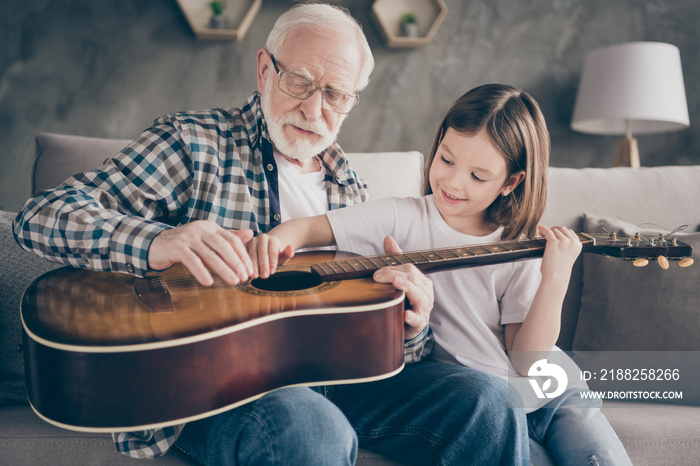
(434, 260)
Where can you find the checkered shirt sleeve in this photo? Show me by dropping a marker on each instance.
(419, 346)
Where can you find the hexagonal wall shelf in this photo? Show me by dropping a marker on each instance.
(387, 16)
(239, 13)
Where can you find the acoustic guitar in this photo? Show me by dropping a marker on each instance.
(107, 352)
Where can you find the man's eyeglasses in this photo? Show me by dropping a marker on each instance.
(300, 87)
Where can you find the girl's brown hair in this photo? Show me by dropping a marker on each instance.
(515, 124)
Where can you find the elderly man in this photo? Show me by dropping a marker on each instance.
(194, 187)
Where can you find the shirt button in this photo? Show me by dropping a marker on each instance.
(276, 217)
(129, 268)
(270, 167)
(86, 262)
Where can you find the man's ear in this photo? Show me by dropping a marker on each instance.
(263, 68)
(513, 181)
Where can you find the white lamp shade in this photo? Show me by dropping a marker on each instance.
(639, 82)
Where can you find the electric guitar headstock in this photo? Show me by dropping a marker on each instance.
(639, 249)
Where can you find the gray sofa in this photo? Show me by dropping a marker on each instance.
(596, 316)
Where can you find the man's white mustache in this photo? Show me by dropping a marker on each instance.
(299, 121)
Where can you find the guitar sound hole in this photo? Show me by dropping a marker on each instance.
(287, 281)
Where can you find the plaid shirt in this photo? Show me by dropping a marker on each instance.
(213, 165)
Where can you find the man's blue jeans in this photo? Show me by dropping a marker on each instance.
(430, 413)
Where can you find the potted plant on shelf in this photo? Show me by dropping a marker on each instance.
(409, 25)
(218, 20)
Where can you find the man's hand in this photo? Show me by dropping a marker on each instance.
(204, 247)
(418, 289)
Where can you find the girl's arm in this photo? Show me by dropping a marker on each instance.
(277, 247)
(540, 330)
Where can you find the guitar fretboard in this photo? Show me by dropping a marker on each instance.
(432, 260)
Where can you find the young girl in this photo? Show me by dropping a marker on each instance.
(486, 181)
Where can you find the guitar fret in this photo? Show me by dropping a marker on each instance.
(345, 266)
(383, 259)
(463, 252)
(479, 250)
(355, 264)
(452, 252)
(374, 265)
(335, 266)
(430, 256)
(404, 259)
(325, 269)
(494, 248)
(440, 255)
(536, 243)
(415, 257)
(391, 260)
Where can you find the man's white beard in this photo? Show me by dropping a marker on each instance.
(298, 148)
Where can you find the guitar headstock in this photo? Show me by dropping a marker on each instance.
(640, 249)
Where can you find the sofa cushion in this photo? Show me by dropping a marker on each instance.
(18, 268)
(627, 308)
(656, 434)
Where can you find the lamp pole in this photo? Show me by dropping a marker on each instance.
(627, 154)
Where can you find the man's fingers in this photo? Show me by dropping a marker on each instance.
(237, 240)
(219, 257)
(204, 248)
(196, 267)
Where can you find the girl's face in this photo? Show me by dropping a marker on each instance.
(467, 174)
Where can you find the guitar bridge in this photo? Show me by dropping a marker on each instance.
(153, 294)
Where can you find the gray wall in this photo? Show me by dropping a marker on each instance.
(108, 68)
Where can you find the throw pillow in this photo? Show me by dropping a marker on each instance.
(627, 308)
(18, 268)
(639, 317)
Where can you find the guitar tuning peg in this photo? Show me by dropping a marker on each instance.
(640, 262)
(687, 262)
(663, 262)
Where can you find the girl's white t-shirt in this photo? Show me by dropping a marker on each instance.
(472, 305)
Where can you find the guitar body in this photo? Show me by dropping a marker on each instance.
(106, 352)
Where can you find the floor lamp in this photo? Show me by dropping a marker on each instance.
(631, 88)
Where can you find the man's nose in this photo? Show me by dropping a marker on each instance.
(313, 106)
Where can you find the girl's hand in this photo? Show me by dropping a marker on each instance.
(562, 249)
(266, 253)
(418, 289)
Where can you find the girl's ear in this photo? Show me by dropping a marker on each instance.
(513, 182)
